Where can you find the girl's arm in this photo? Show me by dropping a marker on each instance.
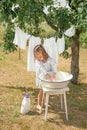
(54, 69)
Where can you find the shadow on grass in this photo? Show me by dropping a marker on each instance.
(77, 105)
(34, 91)
(31, 113)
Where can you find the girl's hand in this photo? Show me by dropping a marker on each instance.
(51, 77)
(48, 76)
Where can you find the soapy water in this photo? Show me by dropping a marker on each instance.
(62, 79)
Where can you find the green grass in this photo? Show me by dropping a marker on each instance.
(15, 81)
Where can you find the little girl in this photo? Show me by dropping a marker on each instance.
(44, 64)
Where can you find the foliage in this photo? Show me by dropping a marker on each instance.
(29, 14)
(83, 39)
(8, 39)
(80, 9)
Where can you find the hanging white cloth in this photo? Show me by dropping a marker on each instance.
(70, 32)
(51, 48)
(45, 10)
(20, 38)
(61, 44)
(61, 3)
(30, 57)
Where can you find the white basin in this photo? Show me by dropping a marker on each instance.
(61, 81)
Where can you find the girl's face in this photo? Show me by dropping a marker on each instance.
(40, 53)
(39, 57)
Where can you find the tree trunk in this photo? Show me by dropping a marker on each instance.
(75, 57)
(19, 54)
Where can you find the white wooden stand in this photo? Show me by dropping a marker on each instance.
(61, 92)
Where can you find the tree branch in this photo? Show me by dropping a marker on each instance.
(49, 22)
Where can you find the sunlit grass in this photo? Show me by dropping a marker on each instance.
(15, 81)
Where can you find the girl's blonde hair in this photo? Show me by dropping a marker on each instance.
(40, 49)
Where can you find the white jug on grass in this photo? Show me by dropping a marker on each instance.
(25, 106)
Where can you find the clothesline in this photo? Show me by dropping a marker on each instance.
(52, 46)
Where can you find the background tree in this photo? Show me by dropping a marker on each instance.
(79, 8)
(30, 15)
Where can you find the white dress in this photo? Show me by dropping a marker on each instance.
(49, 66)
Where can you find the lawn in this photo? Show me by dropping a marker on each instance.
(15, 81)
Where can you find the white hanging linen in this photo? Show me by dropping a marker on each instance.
(45, 10)
(20, 38)
(51, 48)
(70, 32)
(30, 57)
(61, 3)
(61, 44)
